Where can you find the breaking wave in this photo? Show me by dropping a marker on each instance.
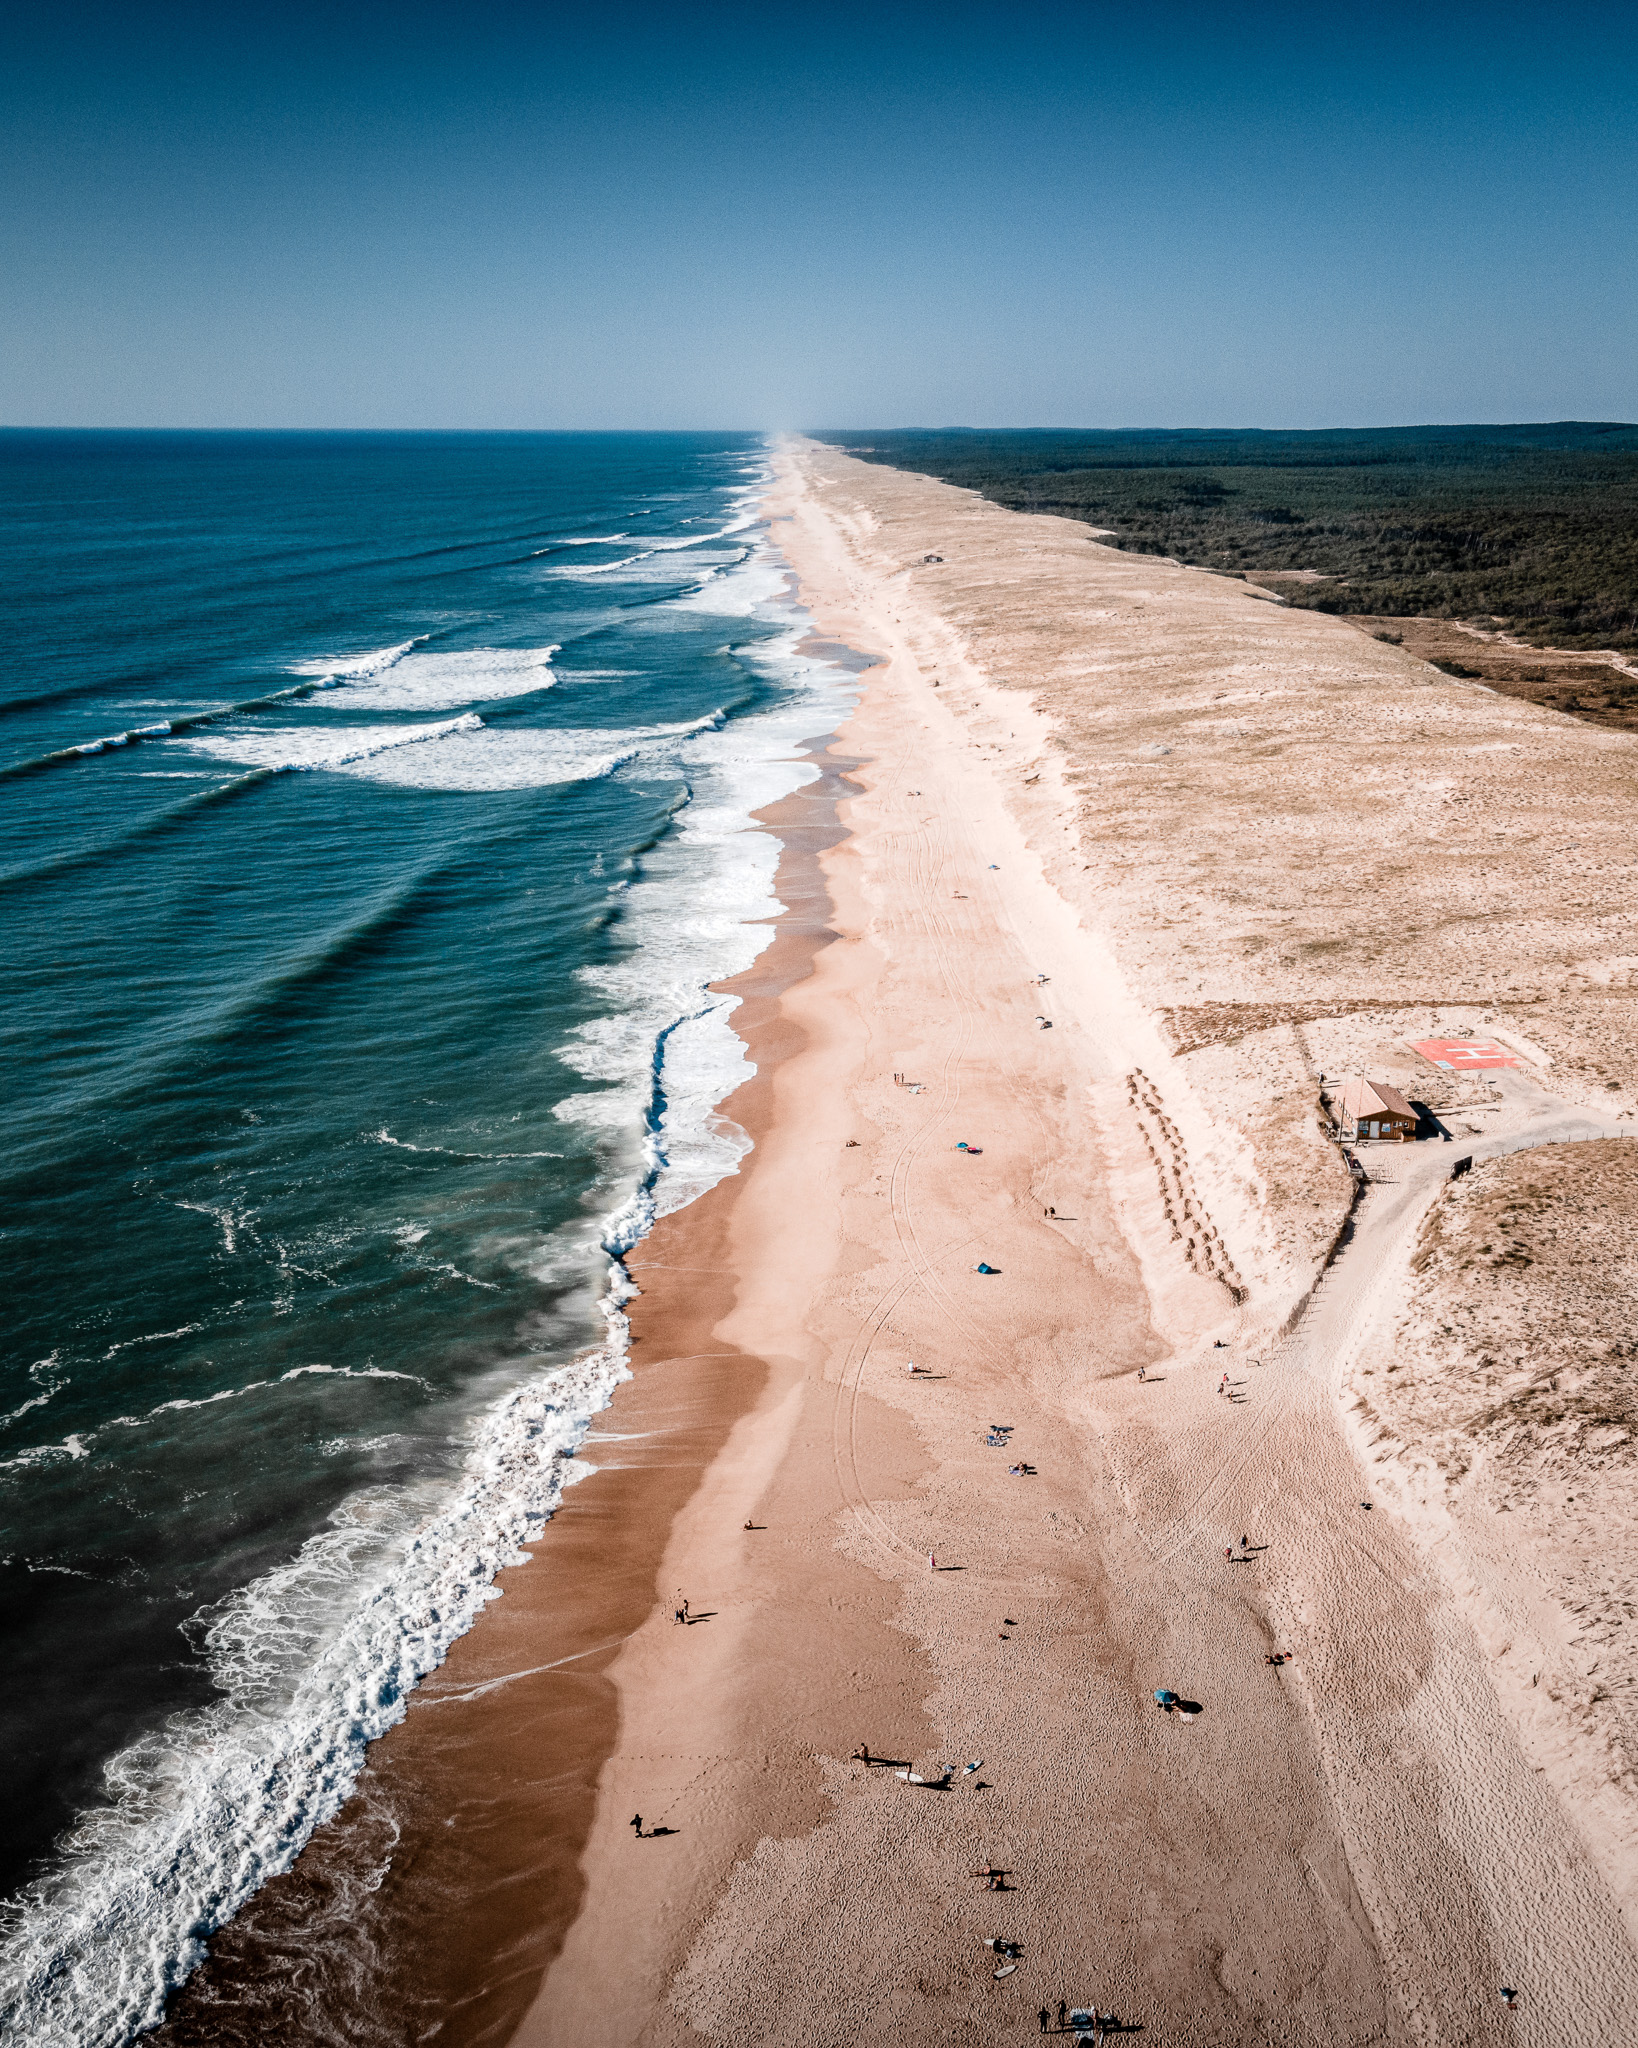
(210, 1806)
(318, 1657)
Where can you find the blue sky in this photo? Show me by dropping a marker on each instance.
(748, 216)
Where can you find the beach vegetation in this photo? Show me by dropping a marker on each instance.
(1532, 528)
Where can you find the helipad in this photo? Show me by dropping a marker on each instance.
(1458, 1055)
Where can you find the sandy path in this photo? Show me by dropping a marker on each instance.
(1457, 1840)
(1351, 1849)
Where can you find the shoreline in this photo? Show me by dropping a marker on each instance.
(461, 1929)
(1356, 1846)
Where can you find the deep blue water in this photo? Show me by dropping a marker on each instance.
(353, 1012)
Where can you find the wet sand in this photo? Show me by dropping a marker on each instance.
(438, 1895)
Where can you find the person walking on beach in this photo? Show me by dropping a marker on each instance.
(637, 1825)
(932, 1560)
(682, 1611)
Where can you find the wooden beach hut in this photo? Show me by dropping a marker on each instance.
(1377, 1111)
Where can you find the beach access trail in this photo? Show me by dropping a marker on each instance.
(1355, 1846)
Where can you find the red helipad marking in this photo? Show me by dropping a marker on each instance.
(1460, 1054)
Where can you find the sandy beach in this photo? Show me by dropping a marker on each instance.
(1358, 1845)
(1110, 870)
(820, 1235)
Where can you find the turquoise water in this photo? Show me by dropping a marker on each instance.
(376, 813)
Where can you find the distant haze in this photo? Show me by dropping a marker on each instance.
(910, 215)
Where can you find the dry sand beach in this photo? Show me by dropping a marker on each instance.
(1245, 846)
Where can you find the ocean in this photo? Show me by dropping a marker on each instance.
(378, 811)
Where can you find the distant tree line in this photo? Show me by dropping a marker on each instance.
(1532, 526)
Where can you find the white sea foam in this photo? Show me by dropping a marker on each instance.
(38, 1401)
(349, 665)
(705, 1061)
(41, 1369)
(343, 1446)
(602, 568)
(298, 747)
(760, 580)
(409, 678)
(530, 758)
(441, 682)
(154, 1337)
(461, 754)
(206, 1809)
(229, 1221)
(700, 540)
(385, 1137)
(699, 912)
(83, 1444)
(317, 1658)
(650, 563)
(353, 1372)
(646, 568)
